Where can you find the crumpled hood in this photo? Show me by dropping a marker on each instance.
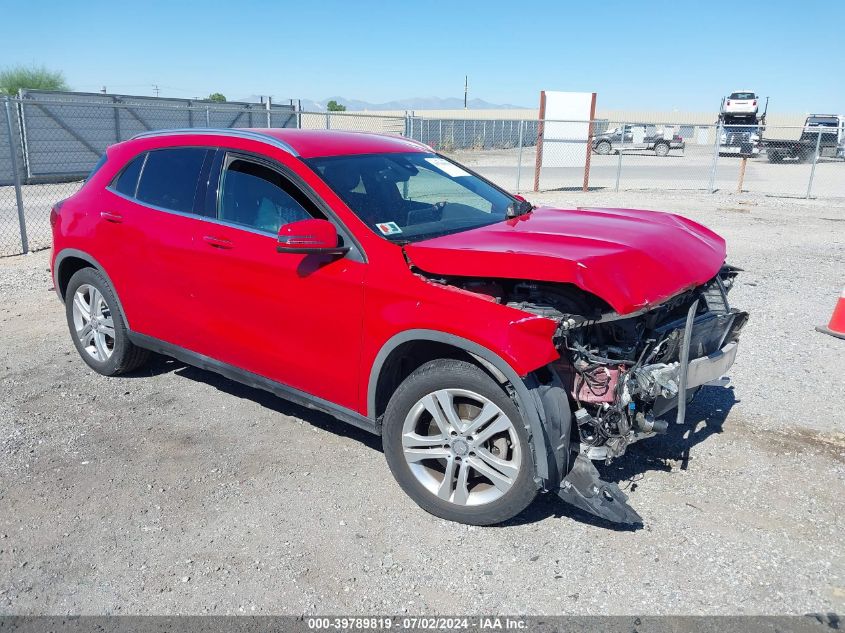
(630, 258)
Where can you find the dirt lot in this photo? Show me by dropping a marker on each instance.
(176, 491)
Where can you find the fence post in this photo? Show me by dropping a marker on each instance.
(619, 159)
(711, 187)
(13, 156)
(116, 107)
(815, 160)
(207, 116)
(519, 159)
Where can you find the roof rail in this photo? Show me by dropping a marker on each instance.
(231, 132)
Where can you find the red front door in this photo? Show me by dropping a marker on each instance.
(293, 318)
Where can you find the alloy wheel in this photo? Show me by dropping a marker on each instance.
(93, 323)
(461, 447)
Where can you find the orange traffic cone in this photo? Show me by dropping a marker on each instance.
(836, 327)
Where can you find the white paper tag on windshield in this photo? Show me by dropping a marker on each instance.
(389, 228)
(450, 169)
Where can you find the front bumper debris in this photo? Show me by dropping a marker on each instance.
(584, 489)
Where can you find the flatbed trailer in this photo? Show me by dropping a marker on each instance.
(825, 132)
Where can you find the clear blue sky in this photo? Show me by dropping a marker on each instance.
(636, 55)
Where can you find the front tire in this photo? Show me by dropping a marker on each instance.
(97, 326)
(603, 148)
(458, 446)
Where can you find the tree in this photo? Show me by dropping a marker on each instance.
(32, 78)
(334, 106)
(218, 97)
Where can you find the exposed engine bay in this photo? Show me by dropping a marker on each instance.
(626, 374)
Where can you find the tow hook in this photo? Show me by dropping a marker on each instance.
(584, 489)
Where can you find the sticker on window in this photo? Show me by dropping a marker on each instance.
(450, 169)
(389, 228)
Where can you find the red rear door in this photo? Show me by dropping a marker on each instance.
(148, 227)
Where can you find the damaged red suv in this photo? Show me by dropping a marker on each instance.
(496, 347)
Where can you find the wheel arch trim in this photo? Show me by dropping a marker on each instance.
(67, 253)
(528, 401)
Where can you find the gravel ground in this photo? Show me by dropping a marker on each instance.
(176, 491)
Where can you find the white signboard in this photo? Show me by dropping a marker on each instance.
(565, 122)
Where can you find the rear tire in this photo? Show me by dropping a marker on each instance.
(661, 149)
(97, 326)
(458, 446)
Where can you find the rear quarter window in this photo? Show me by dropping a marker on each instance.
(127, 181)
(170, 176)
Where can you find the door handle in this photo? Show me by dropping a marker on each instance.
(108, 216)
(217, 242)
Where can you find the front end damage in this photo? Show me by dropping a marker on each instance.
(626, 377)
(629, 378)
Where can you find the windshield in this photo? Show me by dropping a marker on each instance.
(411, 197)
(742, 96)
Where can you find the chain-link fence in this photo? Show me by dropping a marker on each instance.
(50, 142)
(350, 122)
(620, 156)
(47, 148)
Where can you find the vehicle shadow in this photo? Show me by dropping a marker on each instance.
(706, 416)
(578, 188)
(647, 153)
(159, 365)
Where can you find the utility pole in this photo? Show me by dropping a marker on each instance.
(103, 90)
(466, 87)
(155, 89)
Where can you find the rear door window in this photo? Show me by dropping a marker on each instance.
(170, 178)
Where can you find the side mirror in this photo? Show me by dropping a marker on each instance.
(310, 237)
(520, 207)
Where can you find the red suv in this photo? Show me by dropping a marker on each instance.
(496, 347)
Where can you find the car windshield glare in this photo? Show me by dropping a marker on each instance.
(742, 96)
(823, 121)
(408, 197)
